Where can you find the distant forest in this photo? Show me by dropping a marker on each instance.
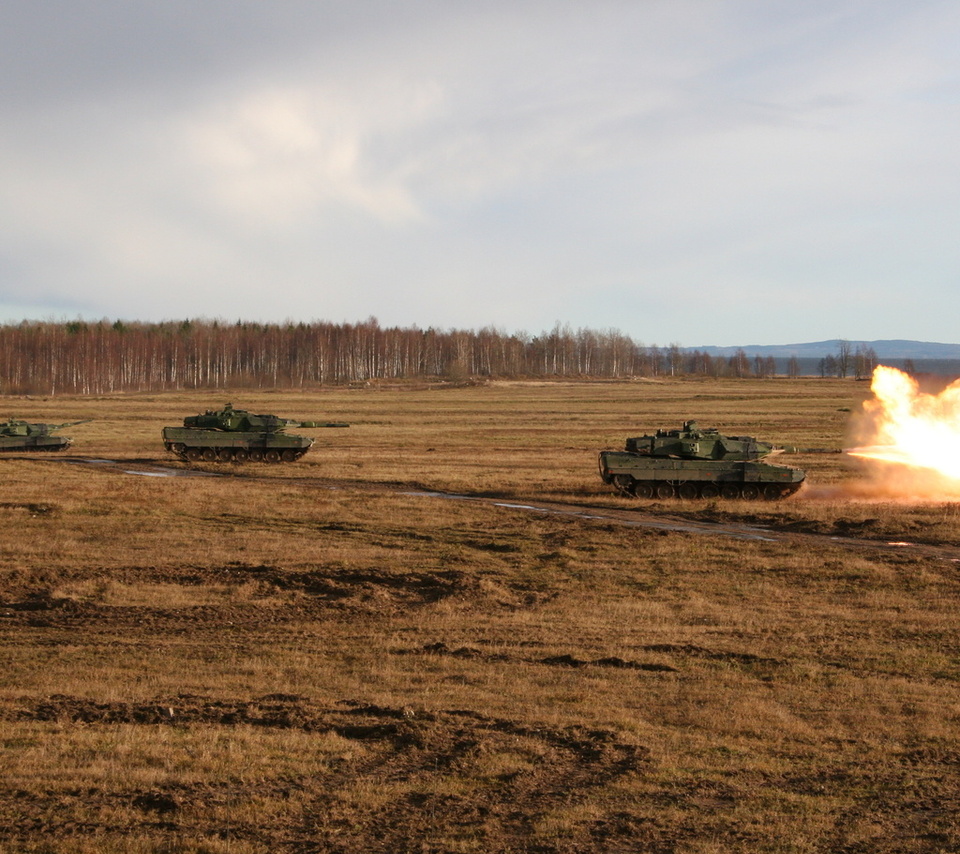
(96, 358)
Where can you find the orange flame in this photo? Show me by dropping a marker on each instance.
(916, 434)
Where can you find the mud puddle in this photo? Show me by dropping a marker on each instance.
(144, 470)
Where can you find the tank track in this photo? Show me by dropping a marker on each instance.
(235, 455)
(689, 490)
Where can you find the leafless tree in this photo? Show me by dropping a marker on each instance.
(844, 351)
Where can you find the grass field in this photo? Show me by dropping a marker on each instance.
(319, 657)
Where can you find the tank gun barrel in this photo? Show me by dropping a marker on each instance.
(69, 424)
(321, 424)
(790, 449)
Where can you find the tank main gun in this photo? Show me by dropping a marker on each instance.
(308, 424)
(789, 449)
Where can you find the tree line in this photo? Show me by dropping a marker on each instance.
(96, 358)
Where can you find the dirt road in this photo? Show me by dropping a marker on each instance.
(665, 515)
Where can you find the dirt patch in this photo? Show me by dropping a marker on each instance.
(700, 652)
(612, 661)
(466, 652)
(31, 508)
(258, 594)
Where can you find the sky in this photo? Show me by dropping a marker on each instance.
(692, 172)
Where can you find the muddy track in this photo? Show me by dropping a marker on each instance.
(551, 768)
(635, 518)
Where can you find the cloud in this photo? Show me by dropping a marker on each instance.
(471, 164)
(275, 156)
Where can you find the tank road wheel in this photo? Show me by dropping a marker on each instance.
(272, 456)
(240, 455)
(289, 455)
(623, 483)
(256, 456)
(750, 491)
(194, 454)
(772, 492)
(209, 455)
(664, 490)
(642, 489)
(708, 490)
(688, 491)
(225, 455)
(730, 491)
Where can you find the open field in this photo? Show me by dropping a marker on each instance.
(318, 657)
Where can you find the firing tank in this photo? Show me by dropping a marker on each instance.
(235, 435)
(18, 435)
(701, 463)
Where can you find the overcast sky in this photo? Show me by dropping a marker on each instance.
(686, 171)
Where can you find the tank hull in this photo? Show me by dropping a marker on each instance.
(13, 444)
(645, 476)
(198, 445)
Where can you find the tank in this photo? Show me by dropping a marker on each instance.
(235, 435)
(700, 463)
(18, 435)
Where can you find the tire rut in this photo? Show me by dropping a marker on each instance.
(419, 770)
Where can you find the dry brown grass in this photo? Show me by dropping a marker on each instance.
(298, 659)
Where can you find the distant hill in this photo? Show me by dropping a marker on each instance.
(918, 357)
(886, 349)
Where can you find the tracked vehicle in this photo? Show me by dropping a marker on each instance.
(235, 435)
(18, 435)
(695, 463)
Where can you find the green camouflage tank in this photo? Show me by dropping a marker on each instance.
(16, 435)
(700, 463)
(235, 435)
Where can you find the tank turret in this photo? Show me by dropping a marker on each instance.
(694, 462)
(232, 420)
(228, 434)
(17, 435)
(692, 443)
